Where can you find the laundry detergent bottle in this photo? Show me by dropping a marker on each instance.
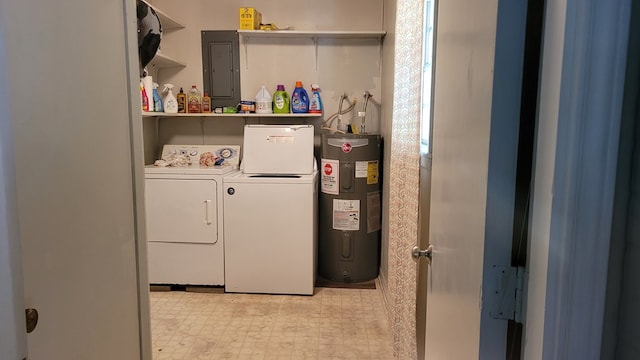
(280, 101)
(315, 103)
(299, 99)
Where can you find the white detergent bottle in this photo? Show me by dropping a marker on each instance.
(264, 101)
(170, 102)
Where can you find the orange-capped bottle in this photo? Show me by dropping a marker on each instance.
(206, 103)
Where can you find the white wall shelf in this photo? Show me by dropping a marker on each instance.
(167, 22)
(312, 34)
(290, 115)
(162, 61)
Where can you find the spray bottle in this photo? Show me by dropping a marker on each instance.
(157, 100)
(315, 103)
(170, 102)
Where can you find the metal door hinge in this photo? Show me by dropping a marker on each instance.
(506, 293)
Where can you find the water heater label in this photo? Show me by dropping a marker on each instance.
(368, 170)
(361, 169)
(329, 176)
(346, 214)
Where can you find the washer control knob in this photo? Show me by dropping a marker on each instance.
(193, 152)
(226, 153)
(231, 191)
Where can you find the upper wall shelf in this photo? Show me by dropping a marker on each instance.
(162, 61)
(312, 34)
(167, 22)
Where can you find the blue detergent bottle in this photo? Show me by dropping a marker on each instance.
(299, 99)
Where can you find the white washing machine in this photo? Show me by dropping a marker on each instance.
(270, 213)
(271, 233)
(185, 242)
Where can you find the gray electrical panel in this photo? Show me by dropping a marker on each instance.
(350, 207)
(221, 67)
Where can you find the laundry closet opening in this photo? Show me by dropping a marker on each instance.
(233, 211)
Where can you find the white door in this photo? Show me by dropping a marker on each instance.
(475, 129)
(70, 108)
(461, 129)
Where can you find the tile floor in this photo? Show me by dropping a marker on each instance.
(333, 324)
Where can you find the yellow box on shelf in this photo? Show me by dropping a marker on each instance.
(250, 18)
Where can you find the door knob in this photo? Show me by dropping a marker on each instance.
(32, 319)
(416, 253)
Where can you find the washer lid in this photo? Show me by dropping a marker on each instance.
(278, 149)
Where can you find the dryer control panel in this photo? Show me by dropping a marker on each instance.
(200, 156)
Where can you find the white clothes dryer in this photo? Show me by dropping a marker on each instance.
(184, 218)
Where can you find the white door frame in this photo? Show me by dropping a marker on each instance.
(582, 82)
(13, 342)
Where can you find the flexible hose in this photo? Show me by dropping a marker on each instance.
(367, 96)
(328, 122)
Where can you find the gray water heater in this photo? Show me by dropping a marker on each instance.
(350, 207)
